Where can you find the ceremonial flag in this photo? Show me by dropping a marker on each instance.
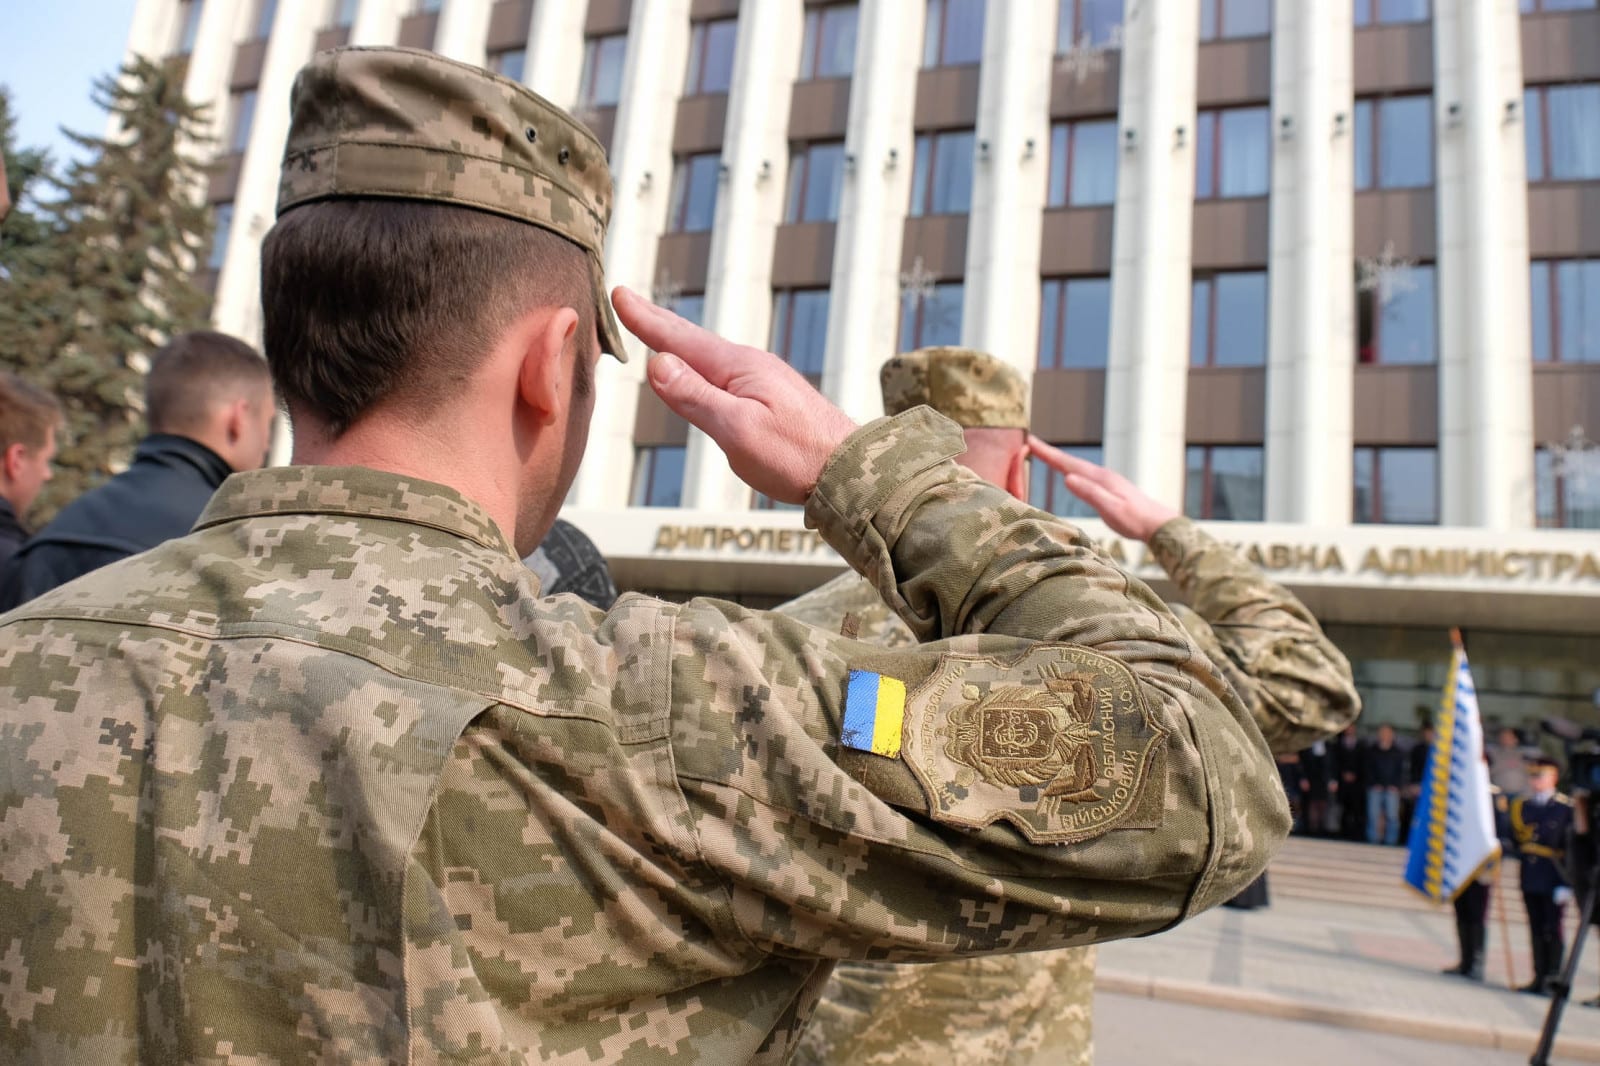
(1453, 832)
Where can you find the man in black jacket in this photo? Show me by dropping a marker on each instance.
(1385, 776)
(209, 402)
(28, 420)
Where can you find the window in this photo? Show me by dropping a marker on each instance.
(816, 174)
(1567, 495)
(688, 306)
(658, 476)
(188, 26)
(800, 329)
(1223, 482)
(1531, 6)
(1083, 164)
(601, 85)
(342, 12)
(1074, 323)
(1047, 490)
(509, 63)
(241, 113)
(1231, 151)
(941, 178)
(1566, 310)
(1398, 486)
(828, 49)
(933, 319)
(1395, 151)
(1235, 18)
(423, 7)
(1559, 123)
(265, 10)
(710, 56)
(219, 236)
(1384, 12)
(1228, 319)
(694, 193)
(1095, 22)
(1395, 318)
(954, 33)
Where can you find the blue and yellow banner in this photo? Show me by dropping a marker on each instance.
(874, 711)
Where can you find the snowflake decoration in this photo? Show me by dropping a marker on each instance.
(916, 284)
(1388, 275)
(1085, 57)
(1574, 459)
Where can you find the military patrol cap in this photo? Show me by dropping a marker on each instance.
(971, 388)
(409, 124)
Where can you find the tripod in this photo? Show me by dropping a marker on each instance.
(1561, 989)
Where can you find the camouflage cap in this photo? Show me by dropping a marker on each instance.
(404, 123)
(971, 388)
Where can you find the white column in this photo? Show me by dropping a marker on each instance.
(238, 304)
(642, 171)
(463, 28)
(1147, 377)
(864, 307)
(1000, 312)
(555, 50)
(211, 63)
(377, 22)
(1485, 378)
(1312, 315)
(154, 30)
(750, 193)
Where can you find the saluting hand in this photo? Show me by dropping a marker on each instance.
(1122, 505)
(776, 429)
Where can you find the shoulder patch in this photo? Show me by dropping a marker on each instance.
(1058, 742)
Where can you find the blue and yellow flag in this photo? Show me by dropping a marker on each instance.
(874, 710)
(1453, 833)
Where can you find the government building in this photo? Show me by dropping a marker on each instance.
(1326, 274)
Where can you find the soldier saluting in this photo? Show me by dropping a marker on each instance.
(327, 779)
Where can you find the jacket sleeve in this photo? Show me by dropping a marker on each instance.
(1296, 684)
(1070, 766)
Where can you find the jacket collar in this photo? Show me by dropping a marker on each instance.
(352, 492)
(169, 449)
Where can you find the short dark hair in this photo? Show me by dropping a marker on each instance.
(194, 372)
(27, 413)
(396, 301)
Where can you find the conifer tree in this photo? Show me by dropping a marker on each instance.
(110, 281)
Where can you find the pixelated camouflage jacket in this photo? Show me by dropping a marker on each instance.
(326, 780)
(1038, 1008)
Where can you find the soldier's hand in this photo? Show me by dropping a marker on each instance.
(776, 429)
(1119, 501)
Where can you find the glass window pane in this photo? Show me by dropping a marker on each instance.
(1049, 324)
(797, 182)
(602, 76)
(191, 27)
(1568, 5)
(1539, 306)
(1578, 309)
(1361, 510)
(1194, 482)
(808, 43)
(836, 55)
(920, 169)
(219, 236)
(963, 32)
(782, 300)
(1405, 142)
(932, 33)
(1363, 12)
(1580, 491)
(1241, 338)
(698, 199)
(691, 307)
(1403, 10)
(1409, 483)
(824, 182)
(808, 334)
(697, 47)
(1205, 159)
(244, 113)
(1086, 335)
(1533, 132)
(1245, 145)
(1060, 137)
(1406, 321)
(941, 316)
(658, 477)
(344, 12)
(1208, 20)
(1246, 18)
(1094, 163)
(265, 13)
(951, 191)
(1101, 20)
(1545, 514)
(1574, 122)
(509, 64)
(719, 56)
(1200, 322)
(1236, 484)
(1363, 145)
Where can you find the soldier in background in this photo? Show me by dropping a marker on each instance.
(29, 421)
(1535, 830)
(1037, 1009)
(327, 779)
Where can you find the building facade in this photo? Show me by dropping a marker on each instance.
(1327, 274)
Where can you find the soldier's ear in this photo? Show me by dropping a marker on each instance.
(12, 460)
(547, 367)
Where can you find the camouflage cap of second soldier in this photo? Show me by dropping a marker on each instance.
(409, 124)
(973, 389)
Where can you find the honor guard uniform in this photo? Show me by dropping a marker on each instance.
(1538, 822)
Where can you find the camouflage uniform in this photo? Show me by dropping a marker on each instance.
(326, 780)
(1038, 1008)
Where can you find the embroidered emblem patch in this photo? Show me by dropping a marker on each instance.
(1059, 742)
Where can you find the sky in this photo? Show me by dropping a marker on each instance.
(51, 51)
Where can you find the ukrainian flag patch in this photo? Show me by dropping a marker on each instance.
(874, 712)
